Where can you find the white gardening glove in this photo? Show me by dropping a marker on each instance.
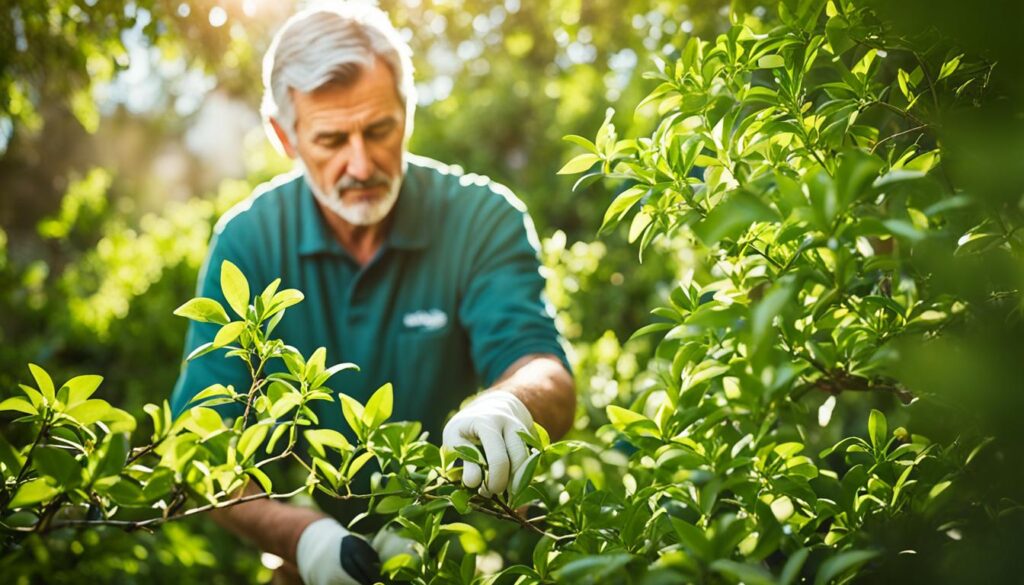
(328, 554)
(493, 420)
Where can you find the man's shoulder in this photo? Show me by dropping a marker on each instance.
(462, 192)
(265, 203)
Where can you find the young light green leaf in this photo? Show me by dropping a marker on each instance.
(379, 407)
(251, 439)
(621, 205)
(44, 382)
(579, 163)
(90, 411)
(235, 288)
(33, 492)
(771, 62)
(18, 404)
(352, 410)
(320, 438)
(227, 334)
(203, 310)
(80, 388)
(877, 429)
(357, 464)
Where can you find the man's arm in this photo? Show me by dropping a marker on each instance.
(272, 526)
(546, 388)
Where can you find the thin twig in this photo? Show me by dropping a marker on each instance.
(897, 135)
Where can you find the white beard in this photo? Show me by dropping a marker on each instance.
(360, 213)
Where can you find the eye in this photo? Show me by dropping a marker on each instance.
(380, 129)
(331, 140)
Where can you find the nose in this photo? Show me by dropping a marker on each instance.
(359, 167)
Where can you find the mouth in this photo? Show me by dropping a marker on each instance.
(362, 193)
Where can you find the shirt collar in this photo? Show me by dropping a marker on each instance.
(410, 228)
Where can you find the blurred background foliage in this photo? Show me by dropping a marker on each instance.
(128, 127)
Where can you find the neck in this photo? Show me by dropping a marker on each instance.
(361, 241)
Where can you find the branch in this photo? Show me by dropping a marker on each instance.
(897, 135)
(131, 525)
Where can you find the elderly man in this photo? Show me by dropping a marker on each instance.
(421, 275)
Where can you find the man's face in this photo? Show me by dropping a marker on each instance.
(350, 139)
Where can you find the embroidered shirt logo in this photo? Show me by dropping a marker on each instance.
(431, 320)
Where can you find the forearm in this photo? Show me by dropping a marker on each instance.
(546, 388)
(272, 526)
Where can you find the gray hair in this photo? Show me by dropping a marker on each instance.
(332, 43)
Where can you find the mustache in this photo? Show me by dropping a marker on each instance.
(378, 179)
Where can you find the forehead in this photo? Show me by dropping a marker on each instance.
(371, 96)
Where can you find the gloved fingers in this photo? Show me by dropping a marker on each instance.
(518, 452)
(497, 459)
(472, 475)
(359, 560)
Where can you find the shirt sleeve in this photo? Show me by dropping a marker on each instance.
(503, 308)
(215, 367)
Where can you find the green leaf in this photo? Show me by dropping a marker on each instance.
(692, 538)
(251, 439)
(44, 382)
(621, 205)
(58, 464)
(742, 572)
(791, 570)
(115, 453)
(581, 141)
(352, 410)
(396, 563)
(579, 163)
(33, 492)
(18, 404)
(235, 288)
(524, 475)
(284, 299)
(378, 407)
(470, 454)
(391, 504)
(469, 537)
(203, 310)
(80, 388)
(212, 391)
(841, 564)
(320, 438)
(592, 568)
(949, 67)
(460, 501)
(201, 351)
(877, 429)
(622, 417)
(227, 334)
(203, 421)
(90, 411)
(261, 478)
(771, 62)
(357, 464)
(732, 217)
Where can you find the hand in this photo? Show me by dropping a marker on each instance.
(492, 420)
(328, 554)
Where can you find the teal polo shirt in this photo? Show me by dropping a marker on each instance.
(449, 302)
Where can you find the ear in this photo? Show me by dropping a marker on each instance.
(282, 138)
